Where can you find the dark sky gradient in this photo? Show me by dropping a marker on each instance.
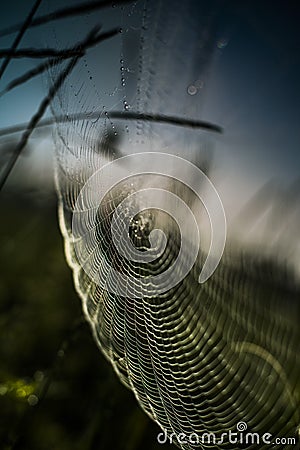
(255, 88)
(252, 89)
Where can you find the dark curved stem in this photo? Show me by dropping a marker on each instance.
(64, 13)
(48, 99)
(21, 33)
(161, 118)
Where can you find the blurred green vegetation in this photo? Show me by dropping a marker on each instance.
(57, 391)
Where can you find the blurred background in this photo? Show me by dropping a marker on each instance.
(56, 389)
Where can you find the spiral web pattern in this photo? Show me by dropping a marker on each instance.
(199, 357)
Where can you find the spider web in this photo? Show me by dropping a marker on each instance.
(199, 358)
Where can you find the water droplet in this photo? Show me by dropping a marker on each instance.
(192, 90)
(222, 43)
(121, 61)
(199, 84)
(32, 400)
(126, 105)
